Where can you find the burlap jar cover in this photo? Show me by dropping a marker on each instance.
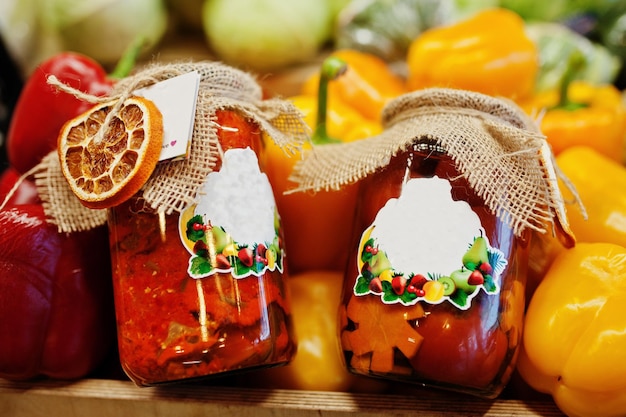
(492, 142)
(174, 183)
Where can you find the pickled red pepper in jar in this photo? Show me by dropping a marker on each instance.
(199, 270)
(197, 301)
(449, 192)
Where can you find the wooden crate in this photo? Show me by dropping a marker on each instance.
(114, 398)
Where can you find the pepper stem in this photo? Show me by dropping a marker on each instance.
(127, 62)
(332, 68)
(575, 63)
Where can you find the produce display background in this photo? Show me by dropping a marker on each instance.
(108, 392)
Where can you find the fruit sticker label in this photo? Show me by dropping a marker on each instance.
(234, 227)
(426, 247)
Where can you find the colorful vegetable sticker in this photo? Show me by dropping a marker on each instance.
(432, 250)
(234, 226)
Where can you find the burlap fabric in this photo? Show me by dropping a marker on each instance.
(492, 142)
(174, 184)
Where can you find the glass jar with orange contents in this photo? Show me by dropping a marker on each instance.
(434, 286)
(199, 270)
(203, 292)
(171, 161)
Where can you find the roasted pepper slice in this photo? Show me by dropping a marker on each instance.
(488, 52)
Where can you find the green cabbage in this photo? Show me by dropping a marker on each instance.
(264, 35)
(103, 29)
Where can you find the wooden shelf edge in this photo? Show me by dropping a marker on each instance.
(97, 397)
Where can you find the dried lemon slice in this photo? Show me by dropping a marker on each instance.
(106, 165)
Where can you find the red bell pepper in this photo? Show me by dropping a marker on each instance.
(56, 308)
(56, 297)
(41, 110)
(26, 193)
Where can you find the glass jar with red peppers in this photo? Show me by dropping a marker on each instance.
(448, 194)
(202, 292)
(434, 291)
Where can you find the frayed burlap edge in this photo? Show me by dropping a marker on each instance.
(493, 143)
(174, 183)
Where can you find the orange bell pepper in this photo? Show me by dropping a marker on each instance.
(489, 53)
(582, 114)
(318, 227)
(366, 86)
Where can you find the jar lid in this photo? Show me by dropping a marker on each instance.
(174, 184)
(493, 143)
(450, 101)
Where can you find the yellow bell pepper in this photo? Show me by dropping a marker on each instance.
(342, 121)
(318, 364)
(601, 186)
(574, 342)
(318, 227)
(366, 86)
(488, 52)
(582, 114)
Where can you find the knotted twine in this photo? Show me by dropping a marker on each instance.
(492, 142)
(174, 184)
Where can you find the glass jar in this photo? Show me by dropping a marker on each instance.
(202, 292)
(434, 289)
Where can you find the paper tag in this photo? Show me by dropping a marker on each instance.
(176, 99)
